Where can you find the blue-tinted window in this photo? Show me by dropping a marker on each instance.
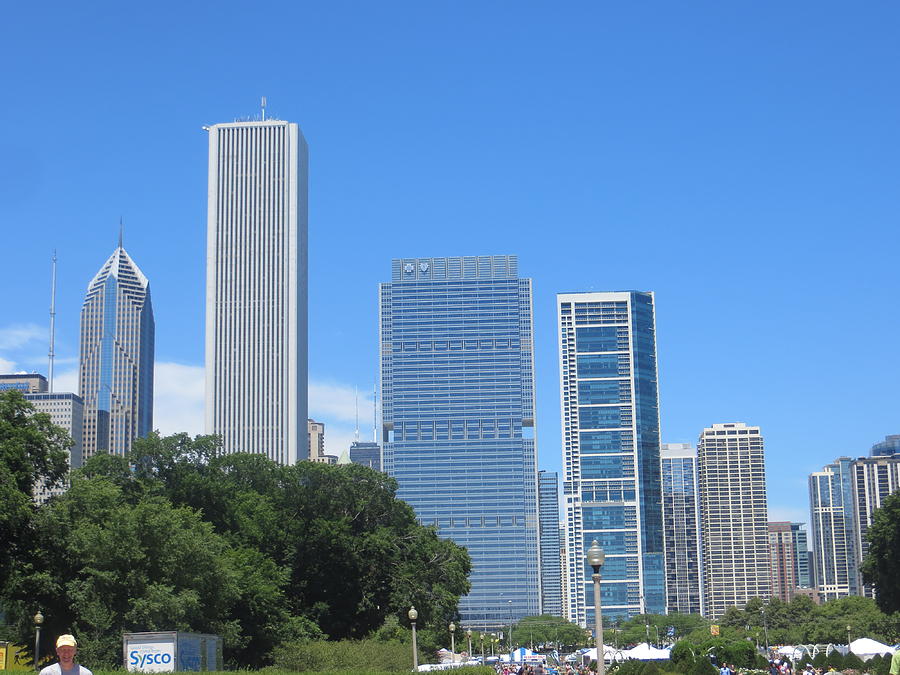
(596, 339)
(608, 517)
(598, 365)
(604, 391)
(604, 441)
(607, 466)
(601, 418)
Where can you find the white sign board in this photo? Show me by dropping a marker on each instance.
(150, 657)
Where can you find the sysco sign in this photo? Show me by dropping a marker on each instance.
(151, 657)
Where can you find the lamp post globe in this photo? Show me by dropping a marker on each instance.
(38, 620)
(452, 628)
(595, 558)
(413, 615)
(469, 638)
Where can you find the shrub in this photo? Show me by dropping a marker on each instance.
(835, 660)
(344, 655)
(853, 662)
(703, 667)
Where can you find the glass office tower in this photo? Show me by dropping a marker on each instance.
(551, 570)
(681, 522)
(610, 422)
(831, 527)
(457, 387)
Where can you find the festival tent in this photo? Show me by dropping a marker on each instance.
(866, 648)
(645, 652)
(609, 654)
(521, 655)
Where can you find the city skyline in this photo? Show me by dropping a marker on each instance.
(742, 169)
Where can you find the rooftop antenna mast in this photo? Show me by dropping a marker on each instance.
(356, 393)
(263, 108)
(51, 354)
(121, 230)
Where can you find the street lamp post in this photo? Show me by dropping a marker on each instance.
(647, 631)
(452, 628)
(656, 628)
(595, 557)
(848, 638)
(469, 638)
(482, 649)
(493, 640)
(38, 620)
(413, 615)
(765, 628)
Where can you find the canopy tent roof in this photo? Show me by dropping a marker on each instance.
(645, 652)
(869, 647)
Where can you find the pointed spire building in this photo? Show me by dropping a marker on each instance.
(116, 364)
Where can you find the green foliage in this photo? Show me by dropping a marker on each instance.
(879, 568)
(703, 667)
(345, 655)
(853, 662)
(819, 659)
(548, 629)
(834, 660)
(683, 655)
(635, 629)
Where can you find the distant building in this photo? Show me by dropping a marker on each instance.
(67, 411)
(681, 528)
(609, 398)
(551, 572)
(316, 440)
(117, 350)
(256, 289)
(889, 446)
(873, 479)
(367, 454)
(733, 516)
(788, 559)
(27, 383)
(831, 529)
(457, 392)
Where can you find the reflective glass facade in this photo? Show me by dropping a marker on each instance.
(551, 570)
(831, 528)
(610, 421)
(116, 364)
(873, 479)
(457, 388)
(682, 528)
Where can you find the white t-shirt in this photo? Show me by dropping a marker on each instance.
(57, 669)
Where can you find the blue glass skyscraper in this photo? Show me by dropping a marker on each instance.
(610, 421)
(551, 571)
(831, 527)
(457, 387)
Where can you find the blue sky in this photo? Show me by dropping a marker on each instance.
(740, 159)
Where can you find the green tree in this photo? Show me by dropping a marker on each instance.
(547, 629)
(879, 568)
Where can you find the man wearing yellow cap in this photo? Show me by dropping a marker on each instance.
(66, 649)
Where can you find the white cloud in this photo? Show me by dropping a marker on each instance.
(7, 366)
(178, 398)
(66, 380)
(19, 335)
(337, 402)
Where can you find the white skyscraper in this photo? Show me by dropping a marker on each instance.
(256, 289)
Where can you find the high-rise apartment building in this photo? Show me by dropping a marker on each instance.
(551, 571)
(116, 365)
(733, 516)
(256, 289)
(681, 527)
(366, 453)
(315, 440)
(789, 568)
(831, 530)
(457, 391)
(610, 422)
(26, 383)
(66, 410)
(873, 479)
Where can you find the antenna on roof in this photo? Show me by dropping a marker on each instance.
(356, 393)
(263, 104)
(121, 230)
(51, 355)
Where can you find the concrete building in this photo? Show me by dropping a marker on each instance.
(457, 392)
(551, 571)
(831, 530)
(117, 354)
(681, 527)
(610, 421)
(733, 516)
(27, 383)
(788, 566)
(256, 289)
(872, 479)
(66, 410)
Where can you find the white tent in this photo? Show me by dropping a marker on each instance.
(645, 652)
(521, 655)
(866, 648)
(609, 654)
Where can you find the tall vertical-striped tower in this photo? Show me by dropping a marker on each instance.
(115, 378)
(256, 289)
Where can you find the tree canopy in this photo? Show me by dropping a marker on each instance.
(548, 630)
(177, 536)
(883, 558)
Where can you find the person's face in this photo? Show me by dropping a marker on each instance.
(66, 653)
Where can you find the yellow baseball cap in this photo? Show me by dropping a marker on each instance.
(66, 641)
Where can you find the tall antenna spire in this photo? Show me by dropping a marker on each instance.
(356, 392)
(263, 105)
(51, 355)
(121, 230)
